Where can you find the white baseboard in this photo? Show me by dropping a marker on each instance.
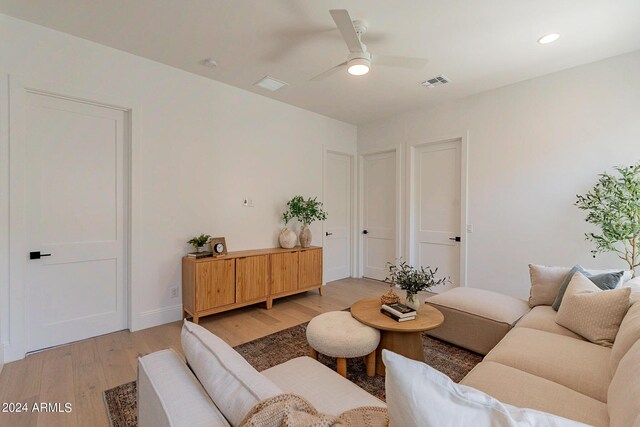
(156, 317)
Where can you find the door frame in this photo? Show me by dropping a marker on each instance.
(15, 322)
(463, 137)
(397, 149)
(353, 218)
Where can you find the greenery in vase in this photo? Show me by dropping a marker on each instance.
(613, 205)
(199, 241)
(411, 279)
(305, 211)
(286, 217)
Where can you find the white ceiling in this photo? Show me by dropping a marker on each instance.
(477, 44)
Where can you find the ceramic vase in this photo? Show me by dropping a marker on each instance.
(287, 238)
(305, 236)
(412, 301)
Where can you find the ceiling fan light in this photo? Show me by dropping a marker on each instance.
(358, 66)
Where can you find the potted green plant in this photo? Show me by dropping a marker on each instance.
(412, 280)
(306, 211)
(287, 237)
(613, 205)
(199, 242)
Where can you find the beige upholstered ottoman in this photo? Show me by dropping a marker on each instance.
(476, 319)
(337, 334)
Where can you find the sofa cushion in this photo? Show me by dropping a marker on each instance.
(603, 281)
(418, 395)
(327, 391)
(545, 283)
(591, 312)
(169, 395)
(231, 382)
(624, 391)
(543, 318)
(476, 319)
(519, 388)
(628, 333)
(579, 365)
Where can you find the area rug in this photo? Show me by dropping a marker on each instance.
(279, 347)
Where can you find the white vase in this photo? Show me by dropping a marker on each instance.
(287, 238)
(201, 249)
(305, 236)
(413, 301)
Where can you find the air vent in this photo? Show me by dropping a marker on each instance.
(436, 81)
(269, 83)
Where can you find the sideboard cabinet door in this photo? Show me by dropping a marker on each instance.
(215, 284)
(310, 267)
(284, 272)
(252, 278)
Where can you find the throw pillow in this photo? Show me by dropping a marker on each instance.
(604, 281)
(591, 312)
(230, 381)
(545, 283)
(420, 396)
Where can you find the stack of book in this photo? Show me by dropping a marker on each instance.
(198, 255)
(398, 312)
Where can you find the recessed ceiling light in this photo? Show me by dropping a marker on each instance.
(549, 38)
(269, 83)
(209, 62)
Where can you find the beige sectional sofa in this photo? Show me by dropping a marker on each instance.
(541, 365)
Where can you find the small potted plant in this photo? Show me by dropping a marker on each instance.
(412, 280)
(199, 242)
(305, 211)
(287, 236)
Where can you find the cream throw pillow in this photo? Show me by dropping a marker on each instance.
(545, 283)
(591, 312)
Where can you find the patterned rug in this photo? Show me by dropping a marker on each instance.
(281, 346)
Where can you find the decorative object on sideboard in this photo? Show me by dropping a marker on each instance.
(218, 246)
(199, 242)
(613, 205)
(306, 211)
(412, 280)
(287, 237)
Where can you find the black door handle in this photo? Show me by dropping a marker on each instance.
(37, 255)
(365, 232)
(328, 234)
(457, 238)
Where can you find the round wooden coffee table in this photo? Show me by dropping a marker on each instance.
(404, 338)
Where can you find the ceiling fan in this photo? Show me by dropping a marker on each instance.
(359, 60)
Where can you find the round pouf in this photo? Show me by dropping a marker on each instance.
(337, 334)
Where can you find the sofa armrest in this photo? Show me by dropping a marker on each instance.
(169, 395)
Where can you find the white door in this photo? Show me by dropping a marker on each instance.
(437, 209)
(75, 216)
(337, 227)
(378, 213)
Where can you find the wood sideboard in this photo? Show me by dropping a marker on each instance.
(237, 279)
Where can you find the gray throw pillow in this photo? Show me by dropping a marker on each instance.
(604, 281)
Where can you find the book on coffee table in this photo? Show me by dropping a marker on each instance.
(396, 318)
(399, 310)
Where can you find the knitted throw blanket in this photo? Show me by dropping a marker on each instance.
(289, 410)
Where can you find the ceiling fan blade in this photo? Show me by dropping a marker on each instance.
(399, 61)
(345, 25)
(328, 73)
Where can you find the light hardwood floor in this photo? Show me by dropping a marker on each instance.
(78, 373)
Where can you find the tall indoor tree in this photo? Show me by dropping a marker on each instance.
(613, 205)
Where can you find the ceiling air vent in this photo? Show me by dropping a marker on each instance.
(436, 81)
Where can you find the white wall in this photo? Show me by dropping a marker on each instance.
(200, 148)
(532, 147)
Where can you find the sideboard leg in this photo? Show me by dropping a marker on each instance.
(320, 290)
(269, 303)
